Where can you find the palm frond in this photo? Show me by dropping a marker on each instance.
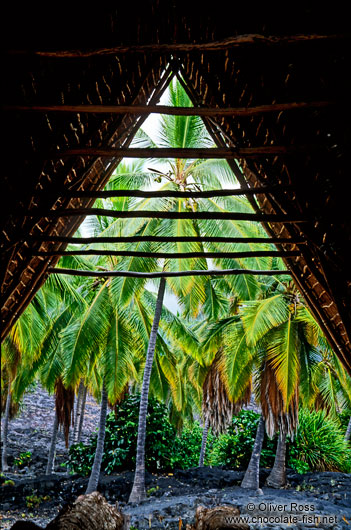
(282, 354)
(261, 316)
(86, 334)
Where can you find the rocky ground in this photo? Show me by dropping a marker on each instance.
(31, 430)
(173, 498)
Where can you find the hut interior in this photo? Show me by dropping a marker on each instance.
(271, 83)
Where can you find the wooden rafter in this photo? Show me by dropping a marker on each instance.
(161, 239)
(224, 44)
(188, 153)
(173, 111)
(109, 194)
(164, 274)
(170, 255)
(151, 214)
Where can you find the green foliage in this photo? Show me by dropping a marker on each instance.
(23, 459)
(233, 448)
(187, 447)
(8, 483)
(151, 491)
(121, 440)
(81, 457)
(296, 464)
(34, 501)
(319, 444)
(344, 418)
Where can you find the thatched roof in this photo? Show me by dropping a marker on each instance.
(243, 58)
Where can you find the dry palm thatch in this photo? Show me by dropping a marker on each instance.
(64, 403)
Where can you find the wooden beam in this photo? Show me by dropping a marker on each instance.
(160, 239)
(150, 214)
(224, 44)
(108, 194)
(166, 110)
(169, 255)
(186, 152)
(164, 274)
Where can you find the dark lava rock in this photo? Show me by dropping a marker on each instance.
(25, 525)
(209, 477)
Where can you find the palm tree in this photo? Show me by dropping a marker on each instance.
(79, 414)
(331, 385)
(277, 477)
(182, 174)
(251, 477)
(138, 492)
(18, 350)
(273, 338)
(53, 308)
(95, 471)
(64, 399)
(101, 345)
(286, 347)
(115, 326)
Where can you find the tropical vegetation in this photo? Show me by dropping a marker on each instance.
(177, 359)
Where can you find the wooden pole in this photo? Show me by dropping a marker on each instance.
(161, 239)
(109, 194)
(224, 44)
(169, 255)
(163, 274)
(186, 152)
(166, 110)
(147, 214)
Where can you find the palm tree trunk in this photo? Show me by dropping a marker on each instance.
(348, 431)
(78, 412)
(138, 492)
(95, 471)
(277, 477)
(252, 475)
(82, 412)
(4, 464)
(204, 442)
(52, 451)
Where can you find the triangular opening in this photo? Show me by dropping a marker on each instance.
(177, 215)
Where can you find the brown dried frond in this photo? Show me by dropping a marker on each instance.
(273, 408)
(216, 406)
(245, 399)
(64, 403)
(320, 403)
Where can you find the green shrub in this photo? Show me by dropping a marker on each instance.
(34, 501)
(8, 483)
(319, 444)
(121, 439)
(187, 446)
(23, 459)
(233, 448)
